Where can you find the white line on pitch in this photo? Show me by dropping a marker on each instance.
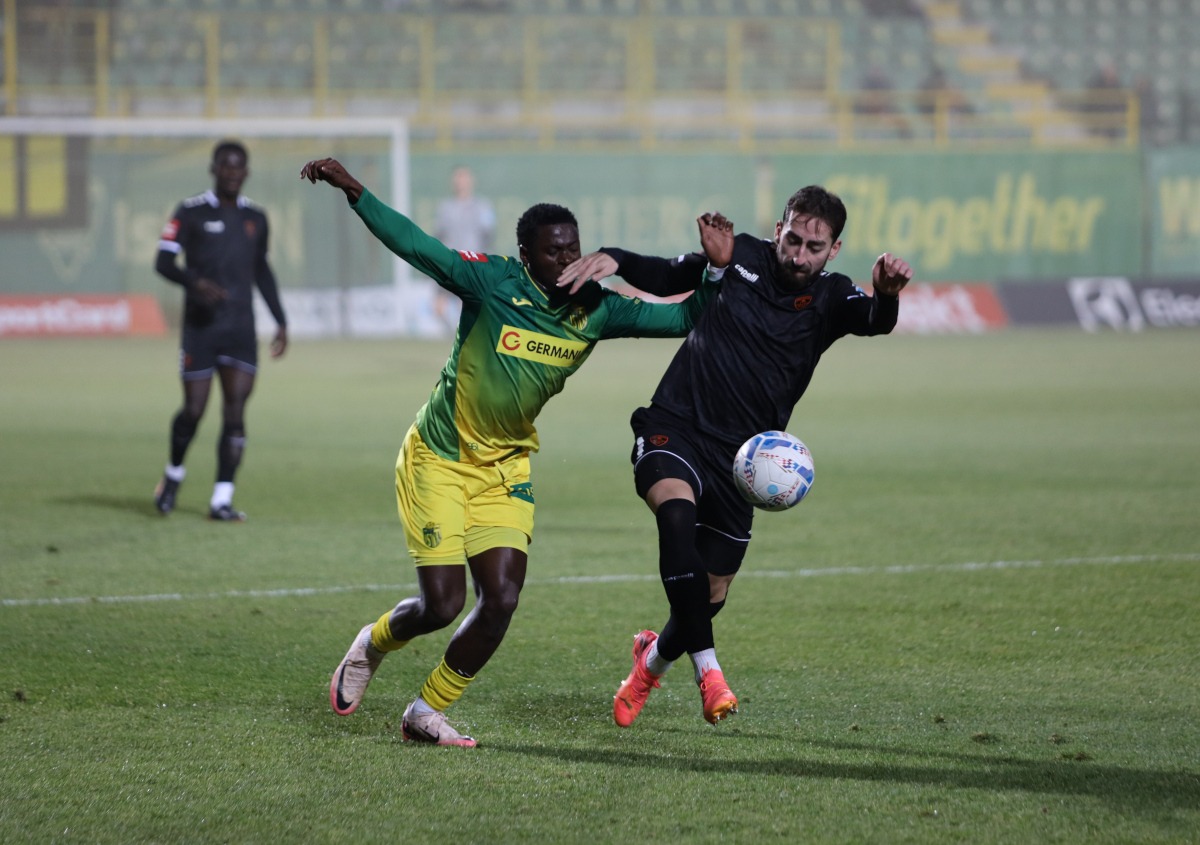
(604, 579)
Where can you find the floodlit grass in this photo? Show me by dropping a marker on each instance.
(929, 703)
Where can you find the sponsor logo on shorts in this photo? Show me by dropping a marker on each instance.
(802, 302)
(432, 534)
(543, 348)
(467, 255)
(522, 491)
(659, 439)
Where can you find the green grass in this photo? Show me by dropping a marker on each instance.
(915, 705)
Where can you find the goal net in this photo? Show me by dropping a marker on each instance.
(83, 200)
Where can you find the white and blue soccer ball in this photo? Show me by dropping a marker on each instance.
(773, 471)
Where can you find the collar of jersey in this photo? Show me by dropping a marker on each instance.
(545, 299)
(211, 198)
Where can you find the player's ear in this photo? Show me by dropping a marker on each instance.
(521, 252)
(778, 230)
(833, 250)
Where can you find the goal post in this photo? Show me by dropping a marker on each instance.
(82, 201)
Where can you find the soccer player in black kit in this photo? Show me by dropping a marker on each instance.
(742, 369)
(224, 238)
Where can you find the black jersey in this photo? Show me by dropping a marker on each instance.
(753, 350)
(225, 244)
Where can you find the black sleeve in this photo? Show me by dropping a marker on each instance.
(854, 312)
(171, 242)
(265, 280)
(659, 276)
(165, 266)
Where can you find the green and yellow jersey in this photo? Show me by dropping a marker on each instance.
(515, 345)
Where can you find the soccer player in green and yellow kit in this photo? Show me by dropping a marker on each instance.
(462, 479)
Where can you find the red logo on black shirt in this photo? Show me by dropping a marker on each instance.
(802, 302)
(659, 439)
(467, 255)
(170, 230)
(250, 228)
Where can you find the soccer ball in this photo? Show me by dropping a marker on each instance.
(773, 471)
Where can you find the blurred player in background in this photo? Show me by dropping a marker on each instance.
(224, 238)
(741, 371)
(464, 222)
(463, 484)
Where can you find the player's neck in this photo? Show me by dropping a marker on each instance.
(226, 199)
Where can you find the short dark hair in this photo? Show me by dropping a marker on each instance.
(815, 201)
(230, 146)
(537, 216)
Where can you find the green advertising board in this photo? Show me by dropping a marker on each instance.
(132, 186)
(959, 216)
(1173, 190)
(646, 203)
(981, 216)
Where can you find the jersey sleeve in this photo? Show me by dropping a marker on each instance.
(172, 241)
(468, 274)
(630, 317)
(856, 312)
(265, 278)
(659, 276)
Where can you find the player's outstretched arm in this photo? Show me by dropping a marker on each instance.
(402, 236)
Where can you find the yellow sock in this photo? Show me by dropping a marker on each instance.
(444, 686)
(381, 635)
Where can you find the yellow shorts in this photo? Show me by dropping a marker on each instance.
(452, 510)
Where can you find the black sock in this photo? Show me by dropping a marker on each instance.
(183, 429)
(671, 629)
(229, 450)
(684, 579)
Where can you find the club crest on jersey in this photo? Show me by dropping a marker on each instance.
(432, 534)
(578, 317)
(251, 229)
(802, 302)
(522, 491)
(659, 439)
(467, 255)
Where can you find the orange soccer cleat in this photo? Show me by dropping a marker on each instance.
(631, 695)
(719, 700)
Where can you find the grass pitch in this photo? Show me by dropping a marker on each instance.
(888, 692)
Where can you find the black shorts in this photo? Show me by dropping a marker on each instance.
(203, 349)
(667, 447)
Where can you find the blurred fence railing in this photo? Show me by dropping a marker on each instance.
(545, 80)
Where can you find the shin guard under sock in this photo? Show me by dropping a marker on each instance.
(183, 429)
(685, 580)
(229, 450)
(444, 686)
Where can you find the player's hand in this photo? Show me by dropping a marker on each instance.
(716, 237)
(331, 171)
(279, 344)
(594, 266)
(208, 292)
(890, 274)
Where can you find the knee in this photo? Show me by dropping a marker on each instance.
(440, 611)
(498, 608)
(232, 413)
(191, 412)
